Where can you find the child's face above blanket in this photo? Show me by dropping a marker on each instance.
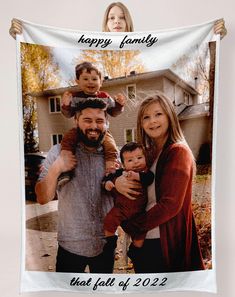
(116, 20)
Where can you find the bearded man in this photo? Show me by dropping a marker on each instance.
(82, 204)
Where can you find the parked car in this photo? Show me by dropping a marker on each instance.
(33, 163)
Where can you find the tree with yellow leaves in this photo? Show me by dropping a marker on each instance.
(38, 72)
(113, 63)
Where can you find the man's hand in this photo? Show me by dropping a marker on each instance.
(111, 166)
(66, 161)
(46, 188)
(66, 98)
(119, 98)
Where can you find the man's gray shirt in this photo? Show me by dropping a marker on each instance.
(82, 203)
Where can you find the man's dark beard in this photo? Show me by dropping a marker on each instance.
(90, 142)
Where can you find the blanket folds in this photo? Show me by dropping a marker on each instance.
(181, 63)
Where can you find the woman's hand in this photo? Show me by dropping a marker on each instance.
(127, 187)
(219, 28)
(16, 28)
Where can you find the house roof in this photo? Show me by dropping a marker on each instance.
(129, 79)
(135, 77)
(193, 111)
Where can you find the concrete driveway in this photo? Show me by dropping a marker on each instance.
(41, 239)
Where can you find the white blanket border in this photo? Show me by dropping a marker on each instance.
(32, 281)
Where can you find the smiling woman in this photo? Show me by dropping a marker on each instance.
(155, 123)
(171, 242)
(159, 115)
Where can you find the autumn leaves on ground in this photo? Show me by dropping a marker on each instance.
(202, 211)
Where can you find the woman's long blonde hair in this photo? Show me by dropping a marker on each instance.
(128, 19)
(175, 132)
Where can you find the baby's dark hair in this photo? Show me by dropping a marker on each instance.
(88, 67)
(130, 147)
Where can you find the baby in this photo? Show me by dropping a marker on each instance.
(134, 167)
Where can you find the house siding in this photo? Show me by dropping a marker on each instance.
(179, 95)
(50, 123)
(196, 132)
(169, 88)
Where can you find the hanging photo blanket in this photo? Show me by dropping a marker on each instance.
(83, 96)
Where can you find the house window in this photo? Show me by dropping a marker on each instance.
(131, 92)
(56, 138)
(187, 98)
(130, 135)
(54, 104)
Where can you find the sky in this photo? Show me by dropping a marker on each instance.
(66, 58)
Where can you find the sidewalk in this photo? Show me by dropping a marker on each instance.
(41, 239)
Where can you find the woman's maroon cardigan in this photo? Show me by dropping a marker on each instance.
(173, 211)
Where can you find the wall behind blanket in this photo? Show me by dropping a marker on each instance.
(87, 15)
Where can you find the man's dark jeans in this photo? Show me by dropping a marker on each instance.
(103, 263)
